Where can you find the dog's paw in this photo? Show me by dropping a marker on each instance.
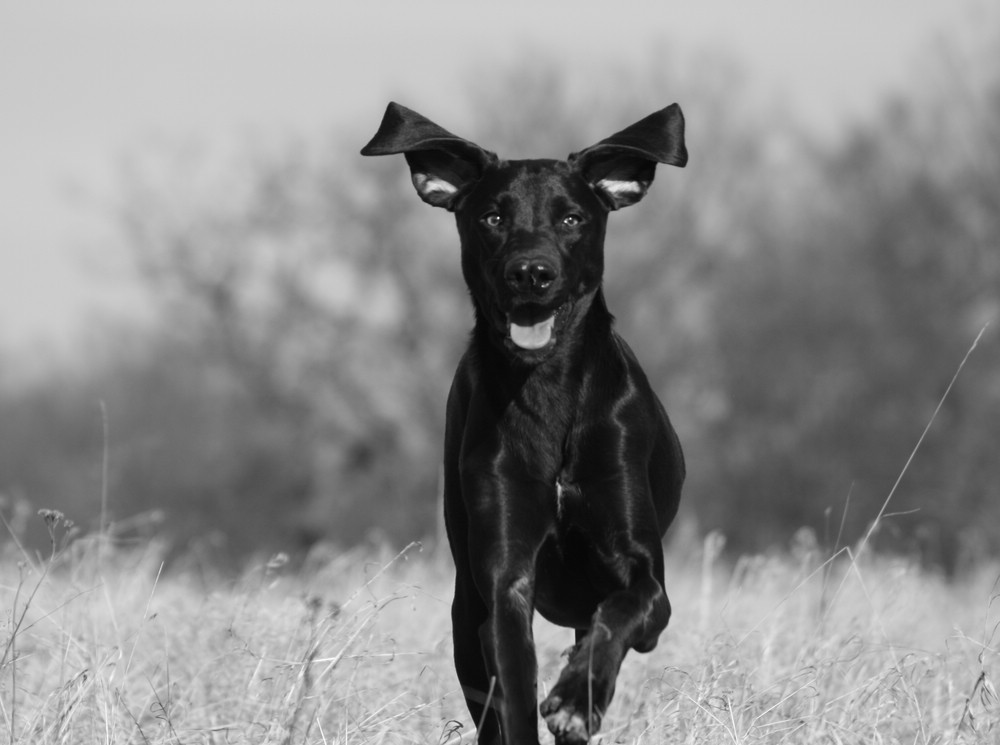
(567, 720)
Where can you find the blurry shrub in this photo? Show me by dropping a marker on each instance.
(844, 324)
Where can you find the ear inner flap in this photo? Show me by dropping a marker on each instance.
(445, 166)
(620, 180)
(441, 177)
(614, 166)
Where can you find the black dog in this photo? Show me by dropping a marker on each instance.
(561, 469)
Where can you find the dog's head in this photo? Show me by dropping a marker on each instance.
(532, 231)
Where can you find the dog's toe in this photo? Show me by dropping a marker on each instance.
(565, 722)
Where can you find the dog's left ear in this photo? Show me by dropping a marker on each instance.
(621, 167)
(442, 165)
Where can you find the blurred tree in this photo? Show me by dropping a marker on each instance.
(333, 325)
(845, 322)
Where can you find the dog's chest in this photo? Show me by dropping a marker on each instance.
(537, 425)
(536, 441)
(565, 492)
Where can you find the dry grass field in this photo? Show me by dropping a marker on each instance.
(103, 645)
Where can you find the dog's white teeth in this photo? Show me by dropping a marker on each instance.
(532, 337)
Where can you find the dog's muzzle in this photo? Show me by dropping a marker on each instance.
(532, 279)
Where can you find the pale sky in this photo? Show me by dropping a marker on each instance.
(82, 83)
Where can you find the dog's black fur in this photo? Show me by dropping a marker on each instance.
(561, 468)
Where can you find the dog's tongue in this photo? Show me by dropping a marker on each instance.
(532, 337)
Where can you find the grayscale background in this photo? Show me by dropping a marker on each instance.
(220, 325)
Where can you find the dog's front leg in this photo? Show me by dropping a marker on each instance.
(626, 619)
(508, 524)
(630, 617)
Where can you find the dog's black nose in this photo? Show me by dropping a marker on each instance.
(530, 275)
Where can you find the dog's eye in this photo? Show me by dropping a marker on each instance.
(492, 219)
(572, 220)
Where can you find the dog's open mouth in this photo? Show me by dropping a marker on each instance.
(534, 336)
(531, 327)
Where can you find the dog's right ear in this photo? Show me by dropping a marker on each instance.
(620, 168)
(442, 165)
